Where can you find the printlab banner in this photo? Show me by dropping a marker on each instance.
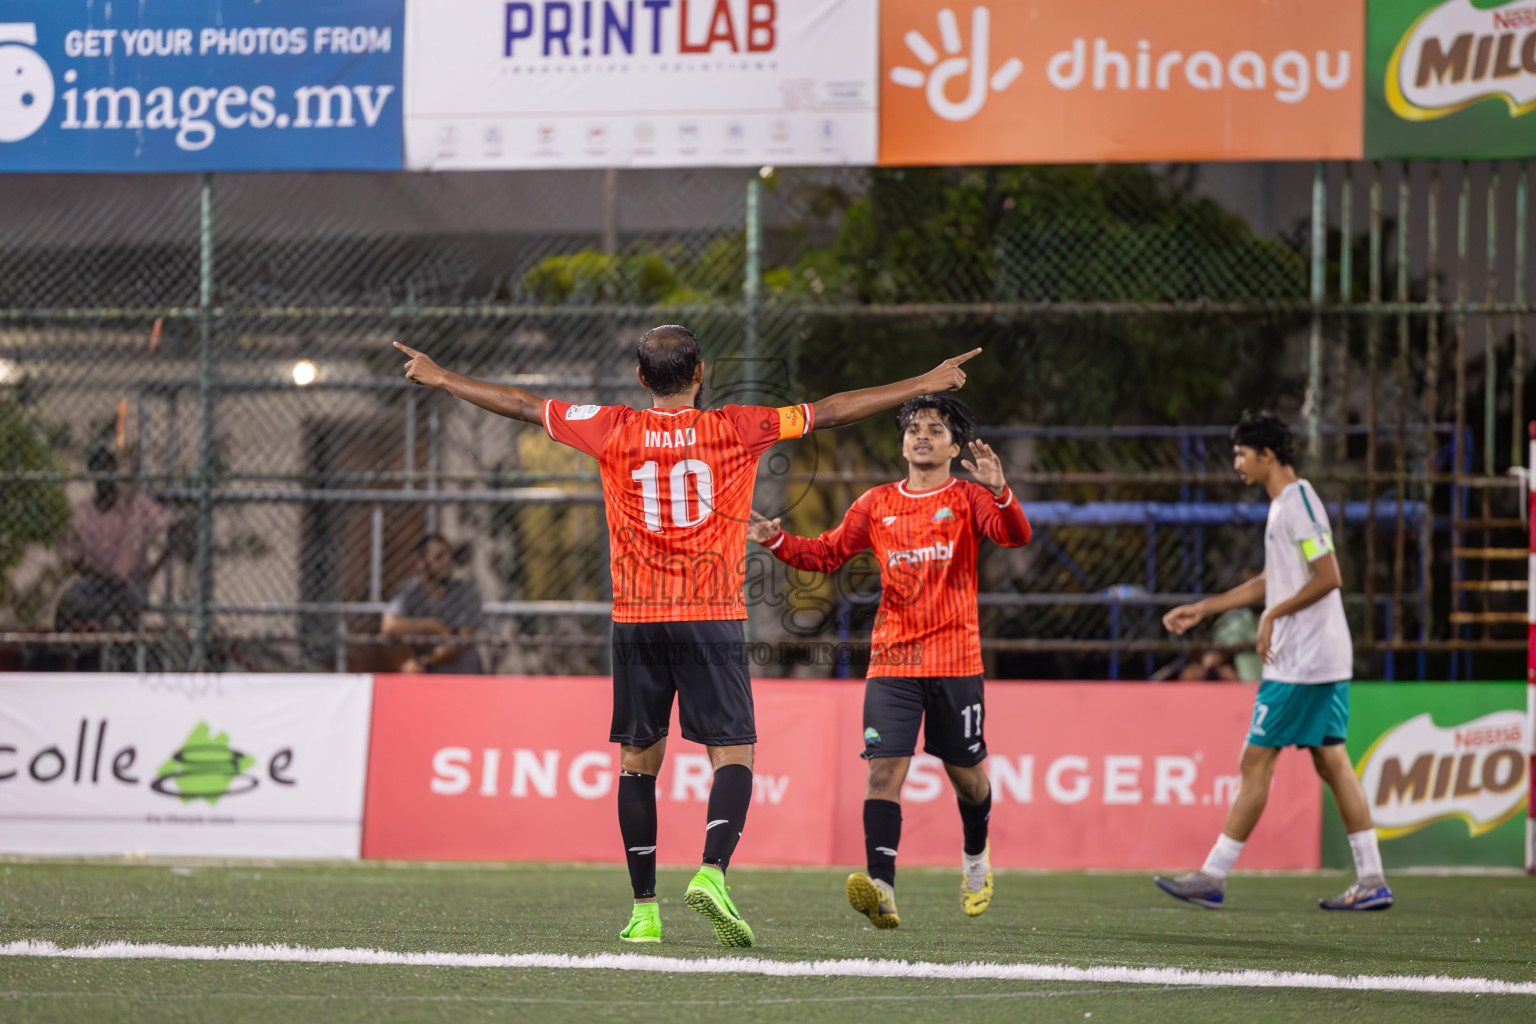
(1451, 78)
(1444, 768)
(200, 86)
(1084, 775)
(183, 765)
(1042, 81)
(659, 83)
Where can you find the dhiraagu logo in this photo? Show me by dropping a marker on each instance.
(205, 768)
(933, 78)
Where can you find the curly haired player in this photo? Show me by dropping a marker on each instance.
(925, 659)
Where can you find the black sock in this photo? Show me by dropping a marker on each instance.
(973, 819)
(882, 837)
(637, 824)
(728, 801)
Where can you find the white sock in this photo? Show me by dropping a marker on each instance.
(1222, 856)
(1367, 854)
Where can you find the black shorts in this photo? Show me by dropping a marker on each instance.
(953, 706)
(704, 663)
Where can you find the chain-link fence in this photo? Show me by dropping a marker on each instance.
(209, 457)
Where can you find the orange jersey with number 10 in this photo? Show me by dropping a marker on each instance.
(677, 486)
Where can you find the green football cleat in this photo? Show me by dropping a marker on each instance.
(644, 924)
(710, 896)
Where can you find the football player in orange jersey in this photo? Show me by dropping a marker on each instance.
(925, 654)
(677, 488)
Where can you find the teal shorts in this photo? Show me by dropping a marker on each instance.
(1300, 714)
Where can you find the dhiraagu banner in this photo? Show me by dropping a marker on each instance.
(1450, 78)
(1444, 770)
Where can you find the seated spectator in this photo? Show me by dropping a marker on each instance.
(108, 543)
(437, 604)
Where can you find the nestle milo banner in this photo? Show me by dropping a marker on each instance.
(1444, 769)
(183, 765)
(1450, 78)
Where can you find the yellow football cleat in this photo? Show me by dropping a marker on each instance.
(976, 885)
(874, 898)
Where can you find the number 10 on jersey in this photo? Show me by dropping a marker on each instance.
(648, 477)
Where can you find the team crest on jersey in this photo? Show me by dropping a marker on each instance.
(871, 735)
(944, 515)
(581, 412)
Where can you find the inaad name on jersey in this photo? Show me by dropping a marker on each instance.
(680, 438)
(938, 551)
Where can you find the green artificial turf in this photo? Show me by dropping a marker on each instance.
(1459, 926)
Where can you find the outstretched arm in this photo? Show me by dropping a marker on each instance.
(851, 406)
(513, 403)
(826, 553)
(1187, 616)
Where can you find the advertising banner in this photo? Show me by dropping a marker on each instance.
(1084, 775)
(643, 83)
(183, 765)
(200, 86)
(1036, 81)
(1450, 78)
(1444, 768)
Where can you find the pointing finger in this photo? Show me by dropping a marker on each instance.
(406, 349)
(972, 354)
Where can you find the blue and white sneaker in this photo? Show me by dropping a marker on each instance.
(1196, 887)
(1366, 894)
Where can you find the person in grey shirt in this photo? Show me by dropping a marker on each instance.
(436, 603)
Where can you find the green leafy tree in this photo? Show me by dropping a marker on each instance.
(1122, 243)
(31, 511)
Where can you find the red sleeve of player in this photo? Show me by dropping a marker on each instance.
(828, 552)
(583, 427)
(1000, 520)
(760, 426)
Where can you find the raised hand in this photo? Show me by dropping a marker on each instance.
(761, 529)
(420, 369)
(1183, 618)
(948, 376)
(987, 469)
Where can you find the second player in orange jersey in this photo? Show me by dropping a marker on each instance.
(925, 655)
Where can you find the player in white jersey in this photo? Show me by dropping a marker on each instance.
(1308, 661)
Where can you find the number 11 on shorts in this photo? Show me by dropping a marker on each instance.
(966, 713)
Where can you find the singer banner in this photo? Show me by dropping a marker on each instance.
(1097, 775)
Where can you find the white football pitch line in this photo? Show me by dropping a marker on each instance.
(901, 969)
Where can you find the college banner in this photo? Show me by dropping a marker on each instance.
(1084, 775)
(1037, 81)
(211, 85)
(643, 83)
(1444, 769)
(183, 765)
(1450, 78)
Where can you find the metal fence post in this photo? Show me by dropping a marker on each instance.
(751, 291)
(203, 591)
(1314, 401)
(1517, 369)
